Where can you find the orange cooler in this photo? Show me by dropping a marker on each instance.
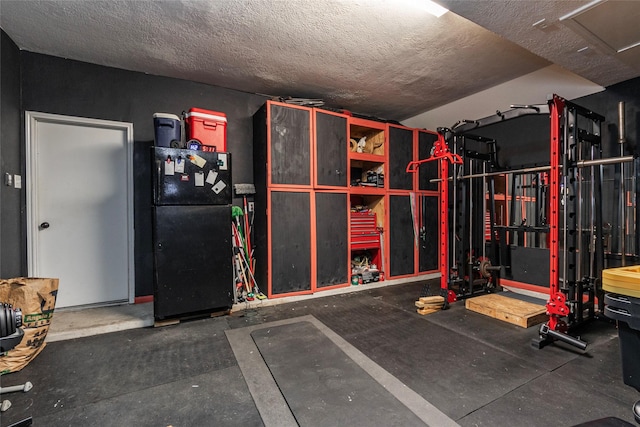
(207, 127)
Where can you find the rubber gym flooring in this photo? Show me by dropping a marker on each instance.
(363, 358)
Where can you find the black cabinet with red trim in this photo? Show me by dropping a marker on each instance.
(427, 208)
(428, 171)
(401, 236)
(401, 152)
(412, 207)
(331, 231)
(301, 201)
(331, 188)
(330, 143)
(290, 249)
(290, 145)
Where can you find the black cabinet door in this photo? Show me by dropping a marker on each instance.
(331, 239)
(331, 149)
(428, 170)
(401, 236)
(429, 232)
(193, 260)
(290, 217)
(290, 145)
(400, 154)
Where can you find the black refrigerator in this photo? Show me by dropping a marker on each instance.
(192, 235)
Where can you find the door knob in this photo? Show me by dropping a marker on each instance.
(44, 225)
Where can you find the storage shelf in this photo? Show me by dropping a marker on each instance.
(374, 135)
(372, 191)
(365, 157)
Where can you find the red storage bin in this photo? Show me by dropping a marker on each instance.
(207, 127)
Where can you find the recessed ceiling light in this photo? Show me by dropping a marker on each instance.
(416, 5)
(541, 23)
(610, 26)
(434, 8)
(579, 10)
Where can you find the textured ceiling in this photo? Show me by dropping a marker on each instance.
(386, 58)
(545, 28)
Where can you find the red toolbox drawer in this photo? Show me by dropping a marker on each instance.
(364, 233)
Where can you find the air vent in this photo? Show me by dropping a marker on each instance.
(609, 26)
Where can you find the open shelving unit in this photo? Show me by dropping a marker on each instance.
(367, 191)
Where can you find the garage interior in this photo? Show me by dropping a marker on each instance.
(519, 120)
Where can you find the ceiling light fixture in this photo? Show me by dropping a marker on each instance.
(579, 10)
(434, 8)
(542, 24)
(415, 5)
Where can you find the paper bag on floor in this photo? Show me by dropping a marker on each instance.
(36, 298)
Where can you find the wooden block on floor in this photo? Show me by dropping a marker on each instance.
(177, 320)
(424, 311)
(432, 300)
(165, 322)
(221, 313)
(420, 304)
(511, 310)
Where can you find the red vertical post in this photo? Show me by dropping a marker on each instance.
(444, 222)
(556, 306)
(440, 152)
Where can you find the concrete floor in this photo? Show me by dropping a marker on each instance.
(72, 324)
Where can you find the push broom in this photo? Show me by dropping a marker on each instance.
(247, 274)
(245, 190)
(243, 255)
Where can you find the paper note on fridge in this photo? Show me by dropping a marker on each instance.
(211, 177)
(197, 160)
(222, 161)
(169, 168)
(199, 179)
(180, 165)
(218, 187)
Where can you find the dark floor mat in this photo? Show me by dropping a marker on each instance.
(322, 385)
(217, 398)
(554, 400)
(601, 373)
(455, 373)
(516, 340)
(468, 365)
(70, 374)
(456, 359)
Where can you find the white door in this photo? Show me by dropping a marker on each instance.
(79, 207)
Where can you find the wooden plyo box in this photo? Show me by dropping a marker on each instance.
(511, 310)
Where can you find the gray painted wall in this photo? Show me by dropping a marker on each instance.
(80, 89)
(606, 103)
(12, 242)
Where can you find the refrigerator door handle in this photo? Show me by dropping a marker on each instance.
(158, 181)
